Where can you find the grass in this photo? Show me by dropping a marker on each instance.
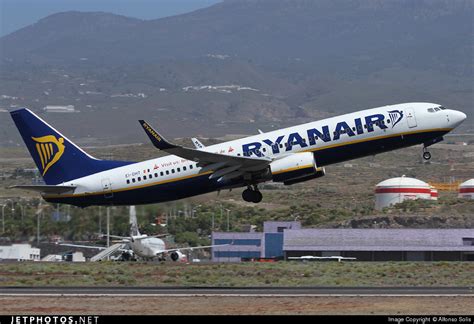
(377, 274)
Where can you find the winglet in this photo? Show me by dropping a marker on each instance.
(197, 144)
(156, 139)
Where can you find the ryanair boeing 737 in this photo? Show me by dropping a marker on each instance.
(290, 155)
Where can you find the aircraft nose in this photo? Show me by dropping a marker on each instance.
(457, 117)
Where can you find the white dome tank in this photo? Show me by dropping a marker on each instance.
(434, 193)
(466, 189)
(395, 190)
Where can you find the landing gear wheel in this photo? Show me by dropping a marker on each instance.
(257, 197)
(252, 195)
(426, 155)
(247, 195)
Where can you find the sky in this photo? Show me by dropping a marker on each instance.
(16, 14)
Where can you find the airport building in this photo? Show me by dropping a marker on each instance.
(19, 252)
(382, 244)
(251, 245)
(281, 240)
(466, 189)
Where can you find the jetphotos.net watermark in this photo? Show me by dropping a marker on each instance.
(53, 320)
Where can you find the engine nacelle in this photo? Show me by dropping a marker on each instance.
(177, 256)
(295, 168)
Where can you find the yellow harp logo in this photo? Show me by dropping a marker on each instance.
(49, 150)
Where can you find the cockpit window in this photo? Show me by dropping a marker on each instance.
(430, 110)
(442, 108)
(437, 109)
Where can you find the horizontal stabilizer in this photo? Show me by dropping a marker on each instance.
(46, 189)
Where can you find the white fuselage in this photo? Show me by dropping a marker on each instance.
(330, 140)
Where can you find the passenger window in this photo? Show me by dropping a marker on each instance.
(388, 121)
(172, 170)
(281, 145)
(264, 149)
(161, 173)
(133, 180)
(139, 179)
(156, 175)
(128, 181)
(179, 170)
(184, 168)
(191, 166)
(167, 172)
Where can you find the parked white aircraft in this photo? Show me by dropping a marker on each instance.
(290, 155)
(144, 246)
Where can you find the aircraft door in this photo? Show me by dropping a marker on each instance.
(107, 188)
(411, 118)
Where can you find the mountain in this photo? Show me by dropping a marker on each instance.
(303, 59)
(354, 34)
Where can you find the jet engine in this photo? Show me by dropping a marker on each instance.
(177, 256)
(295, 168)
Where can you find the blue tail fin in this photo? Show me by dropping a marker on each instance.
(58, 159)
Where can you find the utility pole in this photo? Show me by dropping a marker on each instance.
(38, 216)
(108, 226)
(228, 223)
(212, 223)
(221, 215)
(100, 219)
(3, 218)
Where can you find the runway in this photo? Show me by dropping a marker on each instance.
(239, 291)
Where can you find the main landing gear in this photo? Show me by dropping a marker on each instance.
(252, 194)
(426, 154)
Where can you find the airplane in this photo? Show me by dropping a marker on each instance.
(317, 258)
(290, 155)
(143, 246)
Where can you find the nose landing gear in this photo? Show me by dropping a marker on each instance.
(252, 194)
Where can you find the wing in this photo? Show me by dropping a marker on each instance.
(192, 248)
(46, 189)
(84, 246)
(125, 238)
(226, 164)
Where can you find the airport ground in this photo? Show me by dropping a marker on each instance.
(290, 274)
(245, 274)
(238, 305)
